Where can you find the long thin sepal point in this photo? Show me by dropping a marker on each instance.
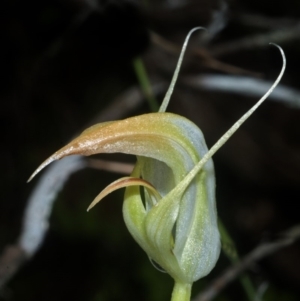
(42, 166)
(166, 100)
(187, 180)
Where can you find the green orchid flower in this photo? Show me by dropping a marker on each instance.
(169, 204)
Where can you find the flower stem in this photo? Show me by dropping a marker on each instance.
(144, 82)
(230, 251)
(181, 292)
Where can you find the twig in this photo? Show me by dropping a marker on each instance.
(264, 22)
(261, 291)
(230, 250)
(127, 102)
(263, 250)
(257, 41)
(10, 261)
(203, 54)
(111, 166)
(246, 86)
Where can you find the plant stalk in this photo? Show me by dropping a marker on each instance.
(181, 291)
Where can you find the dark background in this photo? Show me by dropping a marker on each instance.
(63, 62)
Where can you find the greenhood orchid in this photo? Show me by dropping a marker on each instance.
(174, 218)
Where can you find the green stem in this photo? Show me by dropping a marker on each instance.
(181, 292)
(228, 247)
(144, 82)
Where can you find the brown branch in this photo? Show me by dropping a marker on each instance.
(263, 21)
(111, 166)
(10, 261)
(205, 56)
(263, 250)
(257, 41)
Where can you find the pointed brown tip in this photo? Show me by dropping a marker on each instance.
(90, 207)
(42, 166)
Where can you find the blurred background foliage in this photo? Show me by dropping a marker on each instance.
(63, 62)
